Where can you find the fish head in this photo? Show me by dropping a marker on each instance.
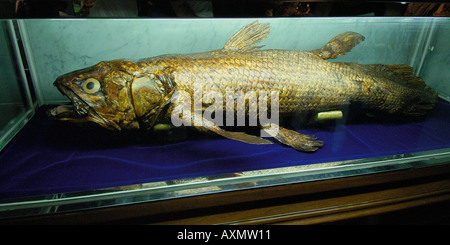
(103, 94)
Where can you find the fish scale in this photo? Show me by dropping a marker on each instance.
(257, 71)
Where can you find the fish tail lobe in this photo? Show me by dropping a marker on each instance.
(401, 89)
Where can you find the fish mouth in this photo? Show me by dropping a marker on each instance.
(78, 111)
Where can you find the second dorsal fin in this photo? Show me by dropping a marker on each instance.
(339, 45)
(246, 38)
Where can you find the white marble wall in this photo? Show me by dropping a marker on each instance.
(63, 45)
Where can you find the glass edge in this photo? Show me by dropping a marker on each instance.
(13, 127)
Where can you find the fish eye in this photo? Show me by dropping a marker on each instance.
(91, 85)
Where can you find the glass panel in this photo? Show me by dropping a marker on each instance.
(61, 46)
(14, 104)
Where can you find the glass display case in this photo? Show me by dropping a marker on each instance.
(49, 166)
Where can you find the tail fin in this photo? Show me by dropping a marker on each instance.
(421, 100)
(402, 74)
(412, 97)
(399, 73)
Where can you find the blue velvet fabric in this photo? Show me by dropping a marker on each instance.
(53, 157)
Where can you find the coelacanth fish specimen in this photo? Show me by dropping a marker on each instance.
(122, 94)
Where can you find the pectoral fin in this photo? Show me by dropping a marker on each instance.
(243, 137)
(239, 136)
(294, 139)
(339, 45)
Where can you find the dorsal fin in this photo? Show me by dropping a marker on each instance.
(339, 45)
(248, 36)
